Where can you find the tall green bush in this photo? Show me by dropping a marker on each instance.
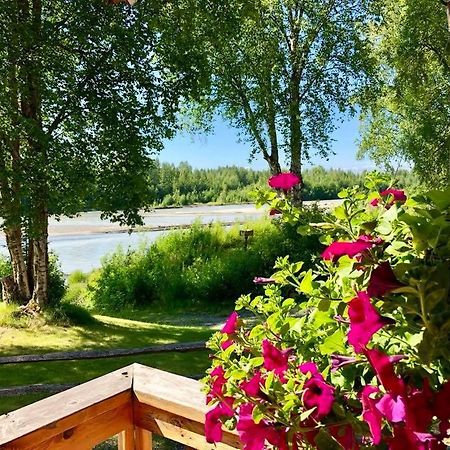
(202, 265)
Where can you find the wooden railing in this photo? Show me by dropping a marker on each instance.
(134, 403)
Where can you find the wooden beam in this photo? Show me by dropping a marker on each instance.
(105, 353)
(179, 429)
(58, 414)
(143, 438)
(84, 436)
(169, 392)
(126, 439)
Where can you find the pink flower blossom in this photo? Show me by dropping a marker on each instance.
(263, 280)
(275, 359)
(225, 344)
(219, 380)
(254, 435)
(382, 281)
(392, 407)
(213, 424)
(230, 326)
(393, 195)
(371, 414)
(252, 387)
(384, 369)
(350, 248)
(316, 392)
(364, 321)
(284, 181)
(398, 195)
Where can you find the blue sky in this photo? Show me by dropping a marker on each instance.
(221, 147)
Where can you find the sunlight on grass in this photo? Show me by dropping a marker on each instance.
(106, 332)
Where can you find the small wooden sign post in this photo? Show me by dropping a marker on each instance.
(246, 234)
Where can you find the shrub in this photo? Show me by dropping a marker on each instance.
(202, 265)
(358, 356)
(56, 281)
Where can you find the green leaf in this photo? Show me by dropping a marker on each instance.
(257, 414)
(305, 414)
(306, 285)
(333, 343)
(440, 198)
(269, 381)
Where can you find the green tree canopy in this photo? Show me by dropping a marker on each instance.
(281, 69)
(408, 115)
(85, 100)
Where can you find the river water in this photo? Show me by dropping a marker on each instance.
(82, 241)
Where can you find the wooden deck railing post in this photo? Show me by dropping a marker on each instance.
(144, 439)
(135, 439)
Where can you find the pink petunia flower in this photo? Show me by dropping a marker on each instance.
(384, 369)
(364, 321)
(398, 195)
(225, 344)
(252, 387)
(392, 407)
(350, 248)
(382, 281)
(254, 435)
(231, 324)
(371, 415)
(317, 393)
(213, 424)
(284, 181)
(219, 380)
(275, 359)
(394, 195)
(338, 361)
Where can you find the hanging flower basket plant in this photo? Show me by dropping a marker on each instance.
(359, 357)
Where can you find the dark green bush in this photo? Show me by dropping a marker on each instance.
(56, 281)
(201, 266)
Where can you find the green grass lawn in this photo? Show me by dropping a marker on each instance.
(106, 332)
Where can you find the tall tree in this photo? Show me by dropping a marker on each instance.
(84, 101)
(408, 116)
(283, 69)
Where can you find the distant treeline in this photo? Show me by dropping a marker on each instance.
(183, 185)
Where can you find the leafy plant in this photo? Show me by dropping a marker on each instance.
(354, 352)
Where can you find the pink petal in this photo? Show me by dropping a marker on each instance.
(350, 248)
(284, 181)
(274, 358)
(364, 321)
(382, 281)
(392, 407)
(371, 415)
(252, 387)
(231, 323)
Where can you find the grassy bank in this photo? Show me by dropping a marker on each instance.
(106, 332)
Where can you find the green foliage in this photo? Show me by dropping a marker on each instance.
(56, 282)
(390, 250)
(407, 114)
(201, 266)
(280, 69)
(183, 185)
(5, 266)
